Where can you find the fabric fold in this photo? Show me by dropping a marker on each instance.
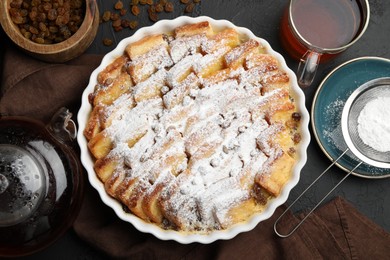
(37, 89)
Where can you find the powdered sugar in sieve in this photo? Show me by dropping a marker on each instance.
(365, 122)
(374, 124)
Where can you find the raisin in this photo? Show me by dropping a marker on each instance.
(296, 116)
(17, 19)
(297, 138)
(169, 7)
(42, 27)
(159, 8)
(135, 10)
(153, 16)
(117, 23)
(52, 14)
(118, 5)
(133, 24)
(106, 16)
(123, 11)
(107, 42)
(16, 4)
(291, 151)
(27, 34)
(33, 30)
(125, 23)
(39, 40)
(114, 16)
(189, 8)
(118, 28)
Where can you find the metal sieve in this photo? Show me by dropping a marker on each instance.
(349, 121)
(367, 92)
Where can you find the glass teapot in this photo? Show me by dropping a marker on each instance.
(41, 183)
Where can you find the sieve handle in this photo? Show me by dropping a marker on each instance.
(311, 211)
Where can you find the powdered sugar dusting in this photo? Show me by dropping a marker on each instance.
(202, 135)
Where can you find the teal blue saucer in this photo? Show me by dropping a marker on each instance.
(328, 106)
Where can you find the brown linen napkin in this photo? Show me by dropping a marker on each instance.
(37, 89)
(335, 231)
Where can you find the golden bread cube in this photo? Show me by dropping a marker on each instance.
(112, 182)
(150, 88)
(278, 101)
(147, 64)
(210, 63)
(220, 76)
(105, 167)
(241, 212)
(145, 45)
(275, 80)
(226, 38)
(172, 138)
(194, 29)
(181, 69)
(100, 145)
(114, 111)
(281, 168)
(236, 57)
(176, 95)
(131, 192)
(93, 126)
(106, 95)
(205, 151)
(112, 70)
(151, 200)
(265, 61)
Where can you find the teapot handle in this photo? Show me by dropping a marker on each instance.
(62, 127)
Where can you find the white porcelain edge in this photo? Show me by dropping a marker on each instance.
(87, 161)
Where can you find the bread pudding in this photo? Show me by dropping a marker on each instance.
(194, 130)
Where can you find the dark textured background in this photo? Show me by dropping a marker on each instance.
(262, 17)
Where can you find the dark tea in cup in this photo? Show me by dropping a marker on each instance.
(314, 29)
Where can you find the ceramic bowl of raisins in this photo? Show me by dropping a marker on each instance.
(54, 31)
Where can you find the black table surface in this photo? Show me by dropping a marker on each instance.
(262, 17)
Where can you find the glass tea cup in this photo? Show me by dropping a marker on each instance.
(314, 30)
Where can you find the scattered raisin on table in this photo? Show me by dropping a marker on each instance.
(118, 5)
(133, 24)
(189, 8)
(107, 42)
(119, 19)
(169, 7)
(135, 10)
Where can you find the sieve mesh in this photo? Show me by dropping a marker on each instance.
(354, 105)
